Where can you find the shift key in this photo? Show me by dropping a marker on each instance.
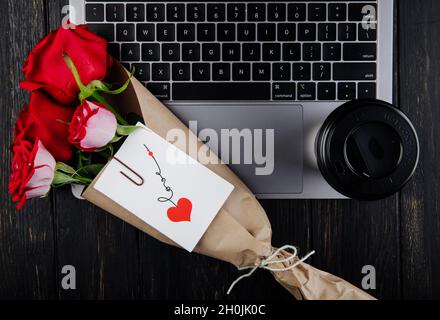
(354, 71)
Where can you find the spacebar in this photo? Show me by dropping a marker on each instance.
(221, 91)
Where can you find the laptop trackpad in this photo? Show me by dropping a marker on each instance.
(262, 144)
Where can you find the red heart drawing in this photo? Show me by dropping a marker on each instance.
(182, 212)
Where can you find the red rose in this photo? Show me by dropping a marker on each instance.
(93, 126)
(46, 120)
(46, 69)
(33, 170)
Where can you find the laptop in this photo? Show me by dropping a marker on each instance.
(255, 79)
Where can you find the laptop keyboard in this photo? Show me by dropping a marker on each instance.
(291, 51)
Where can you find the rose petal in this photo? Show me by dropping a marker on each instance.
(101, 129)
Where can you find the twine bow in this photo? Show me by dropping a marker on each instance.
(271, 260)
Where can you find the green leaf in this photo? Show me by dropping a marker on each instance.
(116, 139)
(90, 171)
(62, 179)
(60, 166)
(126, 130)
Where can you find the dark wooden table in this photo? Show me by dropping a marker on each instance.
(399, 236)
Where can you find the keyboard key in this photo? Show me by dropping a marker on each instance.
(104, 30)
(124, 32)
(195, 12)
(130, 52)
(347, 32)
(261, 71)
(135, 12)
(160, 90)
(236, 12)
(286, 32)
(322, 71)
(354, 71)
(256, 11)
(170, 52)
(145, 32)
(205, 32)
(327, 91)
(166, 32)
(94, 12)
(251, 52)
(271, 52)
(317, 12)
(221, 91)
(160, 71)
(283, 91)
(175, 12)
(114, 12)
(142, 71)
(155, 12)
(246, 32)
(221, 71)
(266, 32)
(216, 12)
(281, 71)
(186, 32)
(241, 72)
(150, 52)
(307, 32)
(211, 52)
(327, 32)
(291, 51)
(366, 90)
(181, 71)
(201, 71)
(191, 52)
(301, 71)
(346, 90)
(231, 52)
(331, 51)
(306, 91)
(359, 51)
(296, 12)
(357, 11)
(367, 33)
(225, 32)
(311, 51)
(113, 50)
(276, 12)
(337, 12)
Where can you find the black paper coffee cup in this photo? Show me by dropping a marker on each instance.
(367, 149)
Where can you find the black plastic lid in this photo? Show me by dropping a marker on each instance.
(367, 149)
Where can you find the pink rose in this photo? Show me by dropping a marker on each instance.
(33, 170)
(93, 126)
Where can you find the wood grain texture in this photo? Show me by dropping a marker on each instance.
(399, 236)
(419, 97)
(26, 237)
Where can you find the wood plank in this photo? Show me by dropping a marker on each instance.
(348, 235)
(103, 249)
(26, 237)
(420, 94)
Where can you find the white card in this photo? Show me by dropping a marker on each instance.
(164, 187)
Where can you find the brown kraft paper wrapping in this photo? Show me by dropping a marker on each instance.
(241, 232)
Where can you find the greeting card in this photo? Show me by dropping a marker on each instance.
(164, 187)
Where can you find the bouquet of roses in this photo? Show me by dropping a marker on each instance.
(66, 133)
(74, 123)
